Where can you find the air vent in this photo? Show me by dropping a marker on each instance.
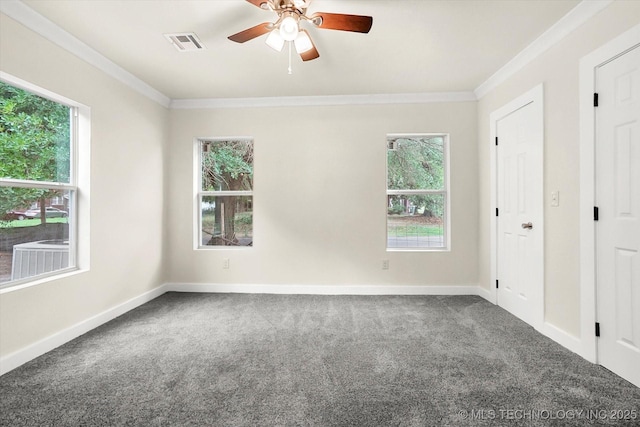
(185, 42)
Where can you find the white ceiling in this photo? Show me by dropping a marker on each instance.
(413, 47)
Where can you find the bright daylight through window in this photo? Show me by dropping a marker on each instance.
(225, 195)
(37, 186)
(417, 191)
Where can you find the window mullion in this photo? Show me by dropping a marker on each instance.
(414, 192)
(45, 185)
(225, 193)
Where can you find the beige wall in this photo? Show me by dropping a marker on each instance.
(558, 69)
(319, 196)
(128, 133)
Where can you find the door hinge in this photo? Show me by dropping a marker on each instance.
(597, 329)
(497, 212)
(497, 284)
(595, 99)
(596, 213)
(496, 140)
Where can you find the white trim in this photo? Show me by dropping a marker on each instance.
(412, 192)
(486, 294)
(199, 193)
(308, 101)
(40, 91)
(536, 96)
(28, 282)
(52, 32)
(49, 30)
(31, 19)
(588, 66)
(22, 356)
(45, 185)
(471, 289)
(79, 185)
(580, 14)
(222, 193)
(563, 338)
(445, 192)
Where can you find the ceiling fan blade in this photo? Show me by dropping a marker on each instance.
(339, 21)
(251, 33)
(311, 53)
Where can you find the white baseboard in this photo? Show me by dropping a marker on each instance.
(563, 338)
(324, 289)
(486, 294)
(20, 357)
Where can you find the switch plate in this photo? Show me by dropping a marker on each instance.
(555, 199)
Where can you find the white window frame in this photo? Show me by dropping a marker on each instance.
(445, 192)
(78, 185)
(200, 193)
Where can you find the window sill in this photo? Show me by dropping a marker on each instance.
(42, 279)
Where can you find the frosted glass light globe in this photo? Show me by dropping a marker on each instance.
(289, 28)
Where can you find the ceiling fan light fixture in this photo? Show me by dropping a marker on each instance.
(275, 41)
(289, 28)
(303, 42)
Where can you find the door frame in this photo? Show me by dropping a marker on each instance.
(534, 96)
(588, 67)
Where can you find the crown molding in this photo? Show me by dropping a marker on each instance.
(333, 100)
(31, 19)
(577, 16)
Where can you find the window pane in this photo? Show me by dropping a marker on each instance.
(227, 220)
(415, 163)
(415, 221)
(227, 165)
(34, 137)
(32, 243)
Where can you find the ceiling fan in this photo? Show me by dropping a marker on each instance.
(287, 27)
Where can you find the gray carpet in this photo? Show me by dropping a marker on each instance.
(283, 360)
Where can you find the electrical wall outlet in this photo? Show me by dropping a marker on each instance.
(385, 264)
(225, 263)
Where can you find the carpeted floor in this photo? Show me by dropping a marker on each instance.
(284, 360)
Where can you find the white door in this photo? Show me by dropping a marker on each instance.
(618, 226)
(519, 225)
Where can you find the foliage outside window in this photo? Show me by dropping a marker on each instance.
(225, 196)
(37, 186)
(417, 196)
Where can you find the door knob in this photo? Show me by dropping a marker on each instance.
(527, 225)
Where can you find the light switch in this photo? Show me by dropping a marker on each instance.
(555, 199)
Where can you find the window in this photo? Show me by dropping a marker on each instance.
(417, 192)
(225, 192)
(38, 189)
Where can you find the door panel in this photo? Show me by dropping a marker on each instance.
(618, 228)
(520, 262)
